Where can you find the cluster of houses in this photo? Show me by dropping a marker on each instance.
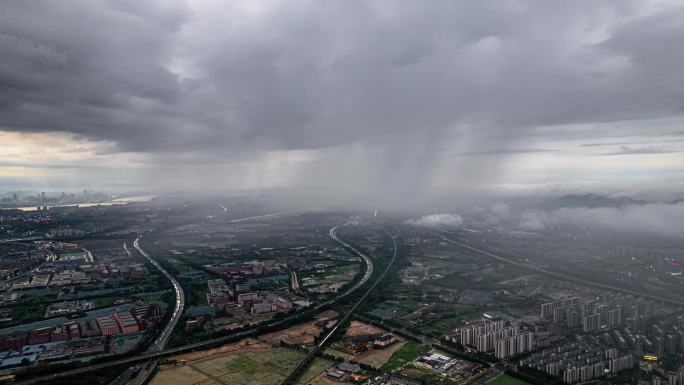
(67, 307)
(345, 371)
(137, 319)
(359, 344)
(65, 232)
(128, 270)
(249, 270)
(52, 351)
(356, 345)
(236, 300)
(61, 275)
(15, 263)
(459, 371)
(70, 264)
(77, 267)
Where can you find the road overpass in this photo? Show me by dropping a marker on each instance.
(156, 354)
(299, 369)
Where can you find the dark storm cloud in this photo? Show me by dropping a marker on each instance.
(88, 68)
(169, 76)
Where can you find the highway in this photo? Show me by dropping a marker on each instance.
(562, 276)
(32, 238)
(224, 211)
(156, 354)
(147, 369)
(158, 345)
(294, 280)
(297, 371)
(369, 263)
(274, 215)
(160, 342)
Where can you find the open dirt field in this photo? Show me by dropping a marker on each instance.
(297, 334)
(374, 357)
(506, 380)
(185, 375)
(301, 333)
(256, 364)
(322, 379)
(243, 345)
(252, 361)
(315, 373)
(327, 315)
(379, 357)
(358, 328)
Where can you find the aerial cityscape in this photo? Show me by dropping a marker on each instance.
(176, 289)
(256, 192)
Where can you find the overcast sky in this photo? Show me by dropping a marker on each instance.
(360, 98)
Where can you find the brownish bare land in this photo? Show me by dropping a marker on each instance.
(297, 334)
(358, 328)
(379, 357)
(235, 364)
(243, 345)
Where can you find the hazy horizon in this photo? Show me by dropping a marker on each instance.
(385, 102)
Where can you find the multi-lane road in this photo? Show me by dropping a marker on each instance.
(160, 342)
(152, 354)
(223, 212)
(145, 371)
(34, 238)
(274, 215)
(562, 276)
(299, 369)
(364, 257)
